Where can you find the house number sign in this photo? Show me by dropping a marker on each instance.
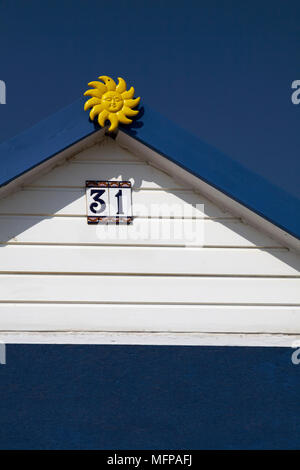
(109, 202)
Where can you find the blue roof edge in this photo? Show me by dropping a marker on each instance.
(217, 169)
(71, 124)
(45, 139)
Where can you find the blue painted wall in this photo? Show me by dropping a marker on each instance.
(142, 397)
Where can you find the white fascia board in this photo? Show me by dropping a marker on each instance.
(152, 339)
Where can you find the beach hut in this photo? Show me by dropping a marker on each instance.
(142, 235)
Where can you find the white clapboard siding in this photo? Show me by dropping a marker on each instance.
(152, 260)
(144, 231)
(106, 150)
(149, 289)
(140, 174)
(68, 201)
(59, 273)
(153, 318)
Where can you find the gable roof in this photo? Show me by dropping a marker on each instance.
(70, 125)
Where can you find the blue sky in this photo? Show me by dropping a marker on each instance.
(222, 69)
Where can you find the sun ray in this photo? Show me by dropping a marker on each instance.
(129, 112)
(109, 82)
(95, 93)
(99, 85)
(132, 103)
(114, 121)
(128, 94)
(121, 85)
(102, 117)
(95, 110)
(91, 102)
(123, 118)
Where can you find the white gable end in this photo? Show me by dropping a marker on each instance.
(201, 270)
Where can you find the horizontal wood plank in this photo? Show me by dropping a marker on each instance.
(140, 175)
(143, 231)
(146, 318)
(152, 260)
(108, 150)
(149, 289)
(68, 201)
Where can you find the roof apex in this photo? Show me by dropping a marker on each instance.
(70, 125)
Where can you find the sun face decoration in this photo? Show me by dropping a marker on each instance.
(111, 102)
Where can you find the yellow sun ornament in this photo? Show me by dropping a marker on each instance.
(111, 102)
